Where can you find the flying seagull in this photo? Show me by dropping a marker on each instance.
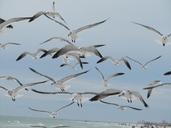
(15, 92)
(74, 33)
(116, 61)
(3, 46)
(121, 107)
(163, 38)
(52, 114)
(34, 55)
(154, 85)
(12, 20)
(128, 94)
(144, 66)
(9, 26)
(62, 82)
(105, 80)
(77, 97)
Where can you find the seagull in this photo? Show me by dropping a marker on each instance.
(57, 38)
(105, 80)
(83, 51)
(11, 78)
(3, 46)
(77, 97)
(49, 14)
(74, 33)
(163, 38)
(128, 94)
(144, 66)
(14, 92)
(52, 114)
(34, 55)
(62, 82)
(167, 73)
(154, 85)
(121, 107)
(116, 61)
(12, 20)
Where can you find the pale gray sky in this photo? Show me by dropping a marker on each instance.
(121, 38)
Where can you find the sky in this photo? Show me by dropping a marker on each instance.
(118, 33)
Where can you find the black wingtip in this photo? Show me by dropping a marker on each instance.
(167, 73)
(101, 60)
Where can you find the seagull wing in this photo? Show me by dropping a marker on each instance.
(22, 55)
(33, 70)
(149, 28)
(114, 75)
(37, 15)
(41, 92)
(70, 77)
(152, 60)
(3, 88)
(138, 95)
(89, 26)
(106, 93)
(134, 60)
(65, 50)
(65, 106)
(93, 50)
(100, 73)
(58, 38)
(13, 20)
(38, 110)
(104, 59)
(126, 63)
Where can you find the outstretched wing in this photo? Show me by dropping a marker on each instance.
(89, 26)
(65, 106)
(38, 110)
(33, 70)
(152, 60)
(149, 28)
(58, 38)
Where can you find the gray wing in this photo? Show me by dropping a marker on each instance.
(64, 50)
(66, 27)
(33, 70)
(152, 60)
(138, 95)
(158, 85)
(41, 92)
(114, 75)
(126, 63)
(134, 60)
(65, 106)
(149, 28)
(58, 38)
(11, 43)
(37, 15)
(70, 77)
(38, 110)
(22, 55)
(3, 88)
(100, 73)
(49, 52)
(89, 26)
(103, 59)
(28, 85)
(120, 106)
(106, 93)
(93, 50)
(13, 20)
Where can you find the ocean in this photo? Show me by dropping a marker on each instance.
(29, 122)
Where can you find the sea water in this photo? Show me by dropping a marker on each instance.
(29, 122)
